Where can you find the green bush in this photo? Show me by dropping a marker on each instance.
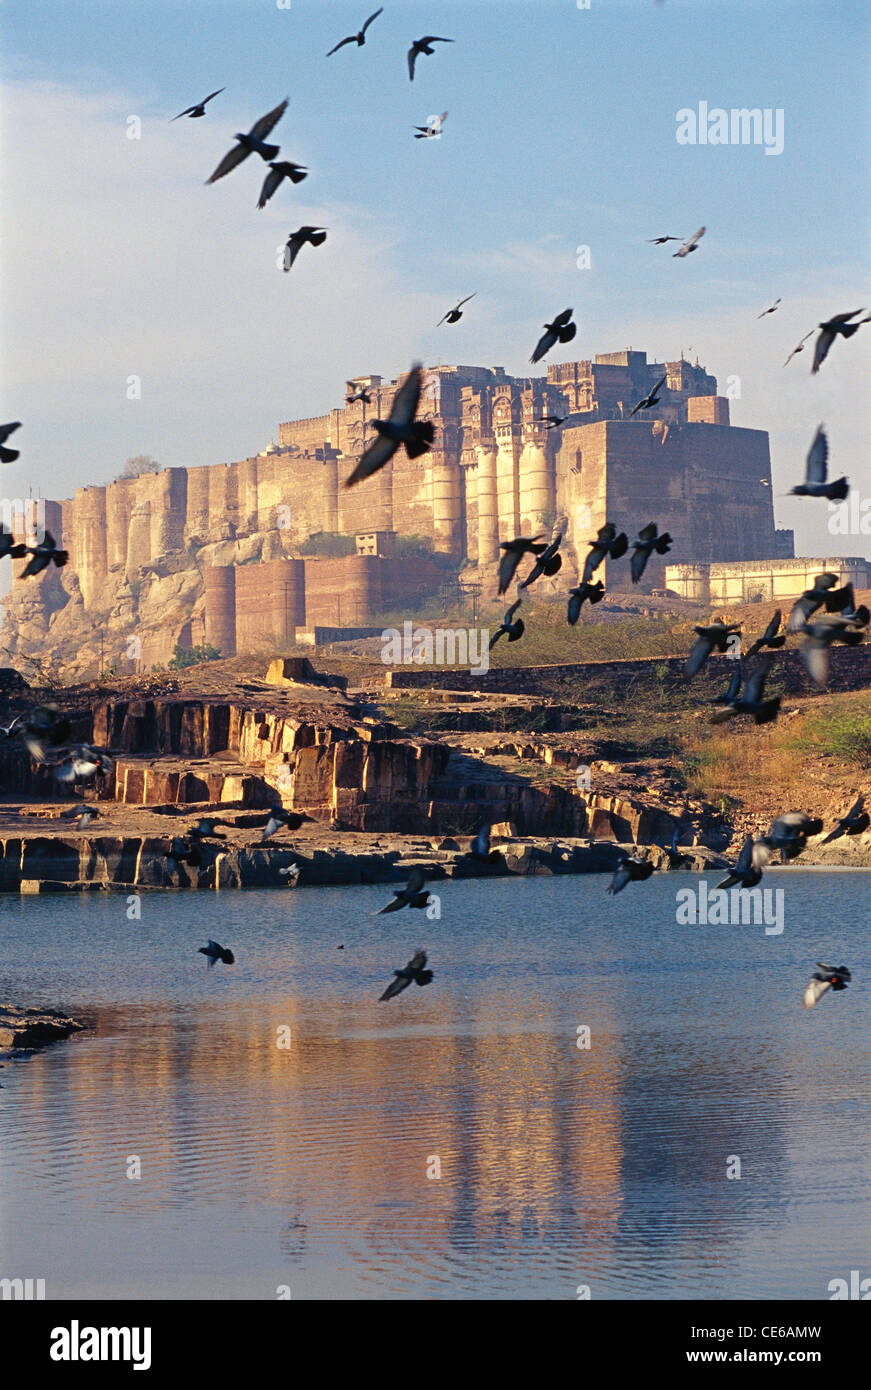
(328, 543)
(192, 656)
(843, 734)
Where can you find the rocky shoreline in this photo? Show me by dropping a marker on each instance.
(25, 1030)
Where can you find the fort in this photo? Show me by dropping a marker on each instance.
(250, 553)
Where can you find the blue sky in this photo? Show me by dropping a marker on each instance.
(561, 132)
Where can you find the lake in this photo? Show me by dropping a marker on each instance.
(455, 1142)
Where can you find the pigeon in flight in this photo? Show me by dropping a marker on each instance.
(816, 472)
(199, 108)
(252, 143)
(650, 399)
(691, 245)
(357, 393)
(514, 553)
(731, 694)
(854, 822)
(772, 308)
(751, 702)
(42, 555)
(422, 46)
(562, 330)
(399, 428)
(84, 763)
(513, 629)
(800, 347)
(297, 240)
(358, 39)
(661, 240)
(790, 833)
(769, 637)
(675, 859)
(834, 977)
(413, 971)
(748, 869)
(44, 726)
(552, 422)
(83, 815)
(548, 562)
(632, 868)
(480, 846)
(433, 130)
(412, 895)
(7, 545)
(215, 952)
(839, 323)
(607, 542)
(205, 830)
(281, 819)
(714, 637)
(824, 632)
(811, 600)
(8, 455)
(293, 871)
(284, 169)
(453, 315)
(592, 592)
(643, 548)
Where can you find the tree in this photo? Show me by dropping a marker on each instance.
(139, 464)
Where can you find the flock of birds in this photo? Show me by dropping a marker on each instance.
(46, 733)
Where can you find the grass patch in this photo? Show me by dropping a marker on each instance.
(843, 734)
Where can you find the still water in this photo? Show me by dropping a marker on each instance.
(309, 1167)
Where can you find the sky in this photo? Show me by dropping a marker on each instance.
(118, 261)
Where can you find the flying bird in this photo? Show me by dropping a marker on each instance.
(297, 240)
(412, 895)
(823, 632)
(283, 169)
(357, 393)
(205, 830)
(360, 38)
(293, 871)
(552, 422)
(215, 952)
(414, 970)
(480, 846)
(673, 854)
(752, 702)
(548, 562)
(594, 593)
(632, 868)
(834, 977)
(790, 833)
(811, 600)
(607, 542)
(650, 399)
(855, 822)
(399, 428)
(769, 637)
(8, 455)
(252, 143)
(84, 763)
(281, 819)
(456, 313)
(512, 628)
(661, 240)
(839, 323)
(7, 545)
(45, 725)
(691, 245)
(800, 347)
(433, 130)
(714, 637)
(770, 310)
(748, 869)
(42, 555)
(82, 815)
(422, 46)
(199, 108)
(514, 553)
(643, 548)
(816, 472)
(562, 330)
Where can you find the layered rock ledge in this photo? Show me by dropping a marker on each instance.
(27, 1029)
